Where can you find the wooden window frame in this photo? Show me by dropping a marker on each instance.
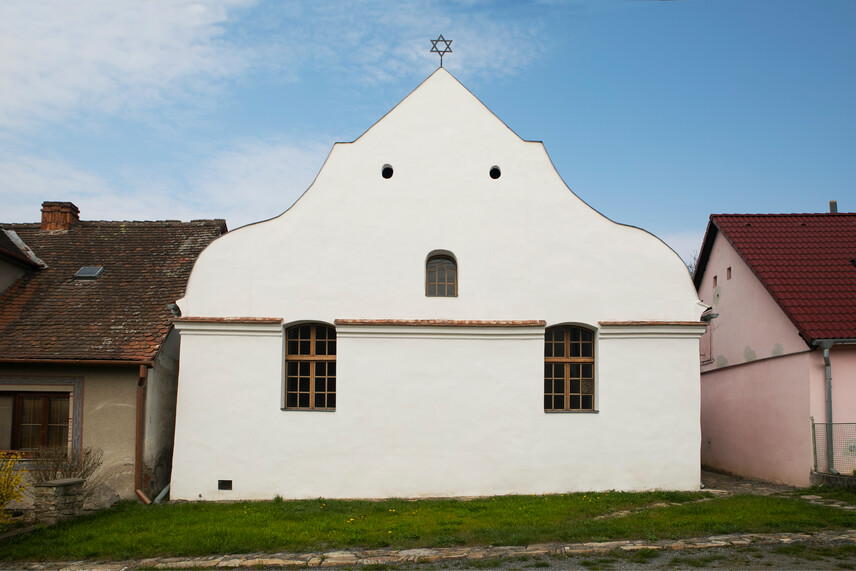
(567, 362)
(17, 412)
(446, 284)
(312, 359)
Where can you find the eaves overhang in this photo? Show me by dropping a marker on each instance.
(96, 362)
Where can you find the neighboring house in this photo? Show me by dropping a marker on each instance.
(438, 315)
(88, 357)
(782, 291)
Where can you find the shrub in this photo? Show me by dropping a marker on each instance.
(56, 463)
(11, 484)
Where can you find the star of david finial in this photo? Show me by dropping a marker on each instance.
(443, 49)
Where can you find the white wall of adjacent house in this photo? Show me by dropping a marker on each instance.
(439, 412)
(159, 429)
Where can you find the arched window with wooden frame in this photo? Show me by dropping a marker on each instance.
(441, 276)
(310, 367)
(568, 368)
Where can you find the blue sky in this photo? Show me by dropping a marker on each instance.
(656, 113)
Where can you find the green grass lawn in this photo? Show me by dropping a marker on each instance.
(131, 530)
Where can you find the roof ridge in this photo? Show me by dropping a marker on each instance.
(774, 215)
(196, 221)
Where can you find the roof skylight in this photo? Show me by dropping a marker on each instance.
(88, 272)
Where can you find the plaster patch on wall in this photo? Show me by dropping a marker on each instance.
(111, 404)
(778, 350)
(749, 354)
(721, 361)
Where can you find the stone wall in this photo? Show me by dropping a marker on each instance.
(58, 500)
(833, 480)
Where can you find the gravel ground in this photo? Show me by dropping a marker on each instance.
(808, 555)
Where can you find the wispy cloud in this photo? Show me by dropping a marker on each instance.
(257, 179)
(389, 41)
(108, 56)
(253, 181)
(81, 65)
(27, 181)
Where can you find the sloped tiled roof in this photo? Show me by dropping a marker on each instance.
(15, 252)
(122, 315)
(8, 247)
(806, 262)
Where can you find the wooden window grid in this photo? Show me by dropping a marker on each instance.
(40, 420)
(441, 277)
(568, 368)
(310, 367)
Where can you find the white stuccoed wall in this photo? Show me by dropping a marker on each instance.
(437, 410)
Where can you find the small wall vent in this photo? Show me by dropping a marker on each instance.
(224, 484)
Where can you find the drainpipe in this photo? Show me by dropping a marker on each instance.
(140, 433)
(826, 345)
(830, 454)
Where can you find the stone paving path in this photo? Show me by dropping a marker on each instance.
(720, 484)
(405, 557)
(715, 482)
(728, 484)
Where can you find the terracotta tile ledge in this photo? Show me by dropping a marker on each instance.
(226, 319)
(444, 322)
(648, 323)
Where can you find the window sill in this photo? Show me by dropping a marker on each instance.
(283, 409)
(571, 411)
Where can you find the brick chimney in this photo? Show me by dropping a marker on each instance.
(59, 216)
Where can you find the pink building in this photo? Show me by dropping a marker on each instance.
(781, 344)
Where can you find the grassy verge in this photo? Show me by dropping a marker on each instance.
(842, 494)
(186, 529)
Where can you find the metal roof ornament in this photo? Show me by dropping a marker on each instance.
(443, 49)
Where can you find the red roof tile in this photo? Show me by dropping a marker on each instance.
(121, 315)
(806, 262)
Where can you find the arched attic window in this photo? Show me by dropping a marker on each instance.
(441, 276)
(310, 367)
(568, 368)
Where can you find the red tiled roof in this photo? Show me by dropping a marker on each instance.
(121, 315)
(804, 260)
